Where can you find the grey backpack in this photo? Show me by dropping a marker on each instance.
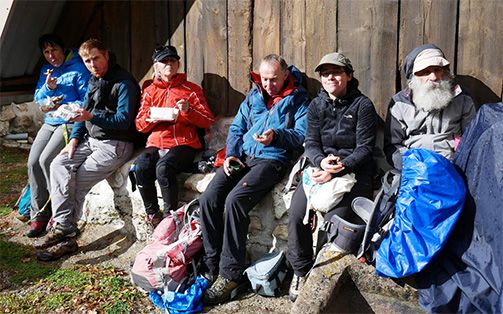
(267, 273)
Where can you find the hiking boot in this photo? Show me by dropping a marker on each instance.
(210, 278)
(67, 246)
(37, 229)
(295, 287)
(56, 235)
(154, 219)
(222, 290)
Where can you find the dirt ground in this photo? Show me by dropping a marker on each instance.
(101, 245)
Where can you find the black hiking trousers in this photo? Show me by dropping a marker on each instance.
(150, 167)
(300, 240)
(224, 233)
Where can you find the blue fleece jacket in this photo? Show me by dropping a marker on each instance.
(287, 119)
(72, 78)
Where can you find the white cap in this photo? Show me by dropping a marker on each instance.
(429, 57)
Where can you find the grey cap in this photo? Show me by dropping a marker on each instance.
(335, 58)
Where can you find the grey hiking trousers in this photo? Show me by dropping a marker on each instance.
(71, 179)
(46, 146)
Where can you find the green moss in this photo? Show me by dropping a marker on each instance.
(58, 300)
(18, 260)
(5, 210)
(118, 307)
(68, 278)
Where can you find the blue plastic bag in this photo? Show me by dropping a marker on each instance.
(23, 204)
(191, 301)
(430, 200)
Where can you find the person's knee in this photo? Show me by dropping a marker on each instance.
(58, 162)
(45, 161)
(144, 162)
(236, 206)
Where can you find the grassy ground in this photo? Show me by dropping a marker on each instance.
(13, 176)
(29, 286)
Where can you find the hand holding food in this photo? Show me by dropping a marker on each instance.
(49, 80)
(266, 138)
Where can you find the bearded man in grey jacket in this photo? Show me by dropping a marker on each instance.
(432, 112)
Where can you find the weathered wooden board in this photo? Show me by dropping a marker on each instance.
(239, 21)
(266, 29)
(426, 21)
(367, 36)
(321, 37)
(480, 47)
(71, 29)
(142, 39)
(206, 33)
(175, 28)
(293, 32)
(117, 31)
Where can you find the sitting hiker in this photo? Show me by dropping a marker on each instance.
(432, 112)
(174, 140)
(64, 76)
(99, 144)
(268, 127)
(341, 130)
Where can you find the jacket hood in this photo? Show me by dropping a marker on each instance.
(72, 57)
(411, 57)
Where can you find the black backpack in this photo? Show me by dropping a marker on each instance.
(362, 233)
(380, 213)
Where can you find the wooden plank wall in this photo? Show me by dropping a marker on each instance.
(220, 41)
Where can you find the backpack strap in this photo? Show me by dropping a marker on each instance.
(296, 171)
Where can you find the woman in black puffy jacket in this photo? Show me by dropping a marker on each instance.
(341, 132)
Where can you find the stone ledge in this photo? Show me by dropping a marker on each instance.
(112, 201)
(333, 273)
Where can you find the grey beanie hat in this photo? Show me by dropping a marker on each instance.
(408, 64)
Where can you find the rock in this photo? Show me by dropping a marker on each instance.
(198, 182)
(4, 128)
(281, 232)
(255, 225)
(336, 271)
(7, 113)
(10, 143)
(28, 118)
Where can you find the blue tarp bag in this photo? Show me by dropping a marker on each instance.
(190, 301)
(431, 198)
(23, 203)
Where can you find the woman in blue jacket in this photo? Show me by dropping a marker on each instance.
(341, 128)
(66, 76)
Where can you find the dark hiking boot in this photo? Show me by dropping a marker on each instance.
(67, 246)
(56, 235)
(37, 229)
(210, 278)
(154, 219)
(222, 291)
(295, 287)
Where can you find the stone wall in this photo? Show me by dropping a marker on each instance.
(17, 119)
(114, 202)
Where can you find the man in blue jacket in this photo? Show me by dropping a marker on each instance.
(269, 126)
(101, 142)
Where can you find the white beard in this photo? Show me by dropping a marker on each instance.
(431, 96)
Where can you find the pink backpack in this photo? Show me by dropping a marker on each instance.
(163, 263)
